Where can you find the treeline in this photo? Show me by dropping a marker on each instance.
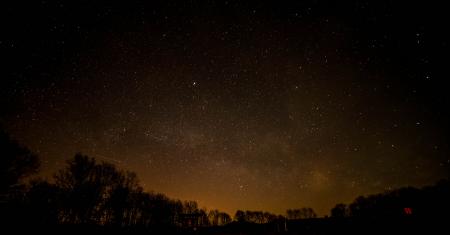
(91, 192)
(88, 192)
(258, 217)
(303, 213)
(429, 201)
(263, 217)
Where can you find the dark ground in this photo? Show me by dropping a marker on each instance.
(405, 225)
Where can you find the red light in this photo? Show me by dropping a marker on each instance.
(407, 210)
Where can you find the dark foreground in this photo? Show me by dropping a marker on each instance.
(404, 225)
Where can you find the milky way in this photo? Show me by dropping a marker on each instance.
(237, 106)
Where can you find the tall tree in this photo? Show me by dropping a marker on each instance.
(16, 163)
(239, 216)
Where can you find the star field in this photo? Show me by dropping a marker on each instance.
(237, 106)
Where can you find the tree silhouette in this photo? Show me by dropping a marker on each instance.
(257, 217)
(339, 211)
(239, 216)
(302, 213)
(217, 218)
(122, 200)
(428, 202)
(16, 163)
(87, 192)
(82, 189)
(97, 193)
(44, 202)
(213, 217)
(224, 218)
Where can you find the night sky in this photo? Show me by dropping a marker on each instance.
(236, 105)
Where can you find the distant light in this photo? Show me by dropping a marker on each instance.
(407, 210)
